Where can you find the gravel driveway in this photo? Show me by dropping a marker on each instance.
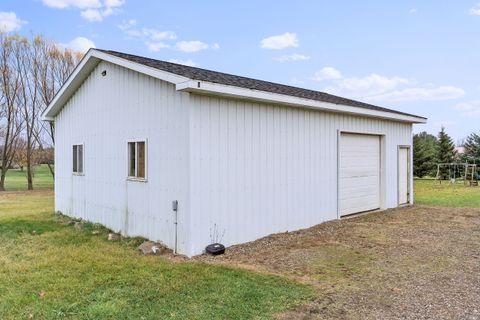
(411, 263)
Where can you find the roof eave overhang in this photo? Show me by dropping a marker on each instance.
(209, 88)
(93, 58)
(81, 72)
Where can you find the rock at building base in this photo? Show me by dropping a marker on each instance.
(151, 247)
(114, 237)
(78, 226)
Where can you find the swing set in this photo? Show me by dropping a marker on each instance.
(453, 171)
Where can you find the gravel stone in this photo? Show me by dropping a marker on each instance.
(416, 262)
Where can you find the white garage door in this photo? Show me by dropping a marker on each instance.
(359, 173)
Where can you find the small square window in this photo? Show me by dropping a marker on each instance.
(77, 159)
(141, 159)
(131, 159)
(137, 159)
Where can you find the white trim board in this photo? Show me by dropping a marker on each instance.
(203, 87)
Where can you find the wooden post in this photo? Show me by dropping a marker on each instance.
(438, 172)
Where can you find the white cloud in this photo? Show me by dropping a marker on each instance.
(92, 15)
(147, 34)
(127, 24)
(81, 4)
(114, 3)
(376, 88)
(188, 62)
(80, 44)
(413, 11)
(469, 109)
(475, 10)
(91, 10)
(10, 22)
(154, 34)
(155, 39)
(293, 57)
(367, 86)
(191, 46)
(97, 15)
(157, 46)
(278, 42)
(327, 73)
(421, 94)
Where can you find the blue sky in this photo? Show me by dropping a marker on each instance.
(421, 57)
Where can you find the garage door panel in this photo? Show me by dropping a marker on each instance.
(359, 182)
(354, 149)
(358, 158)
(364, 190)
(359, 194)
(359, 168)
(359, 208)
(359, 173)
(361, 203)
(352, 172)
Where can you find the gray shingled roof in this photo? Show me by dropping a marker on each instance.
(248, 83)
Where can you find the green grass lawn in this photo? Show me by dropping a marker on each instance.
(431, 192)
(49, 270)
(17, 180)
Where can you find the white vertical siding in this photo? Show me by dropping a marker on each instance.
(258, 169)
(240, 170)
(103, 114)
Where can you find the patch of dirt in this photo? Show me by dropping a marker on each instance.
(416, 262)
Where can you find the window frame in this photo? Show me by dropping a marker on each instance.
(136, 177)
(78, 173)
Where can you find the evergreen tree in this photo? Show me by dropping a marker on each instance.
(472, 148)
(424, 154)
(445, 149)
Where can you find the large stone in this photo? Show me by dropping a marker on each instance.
(151, 247)
(114, 237)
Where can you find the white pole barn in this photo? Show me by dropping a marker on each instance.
(244, 158)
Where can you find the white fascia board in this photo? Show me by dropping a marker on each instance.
(203, 87)
(149, 71)
(86, 66)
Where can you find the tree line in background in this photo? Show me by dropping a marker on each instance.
(32, 70)
(430, 150)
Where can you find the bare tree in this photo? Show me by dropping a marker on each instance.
(32, 71)
(55, 66)
(28, 55)
(10, 121)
